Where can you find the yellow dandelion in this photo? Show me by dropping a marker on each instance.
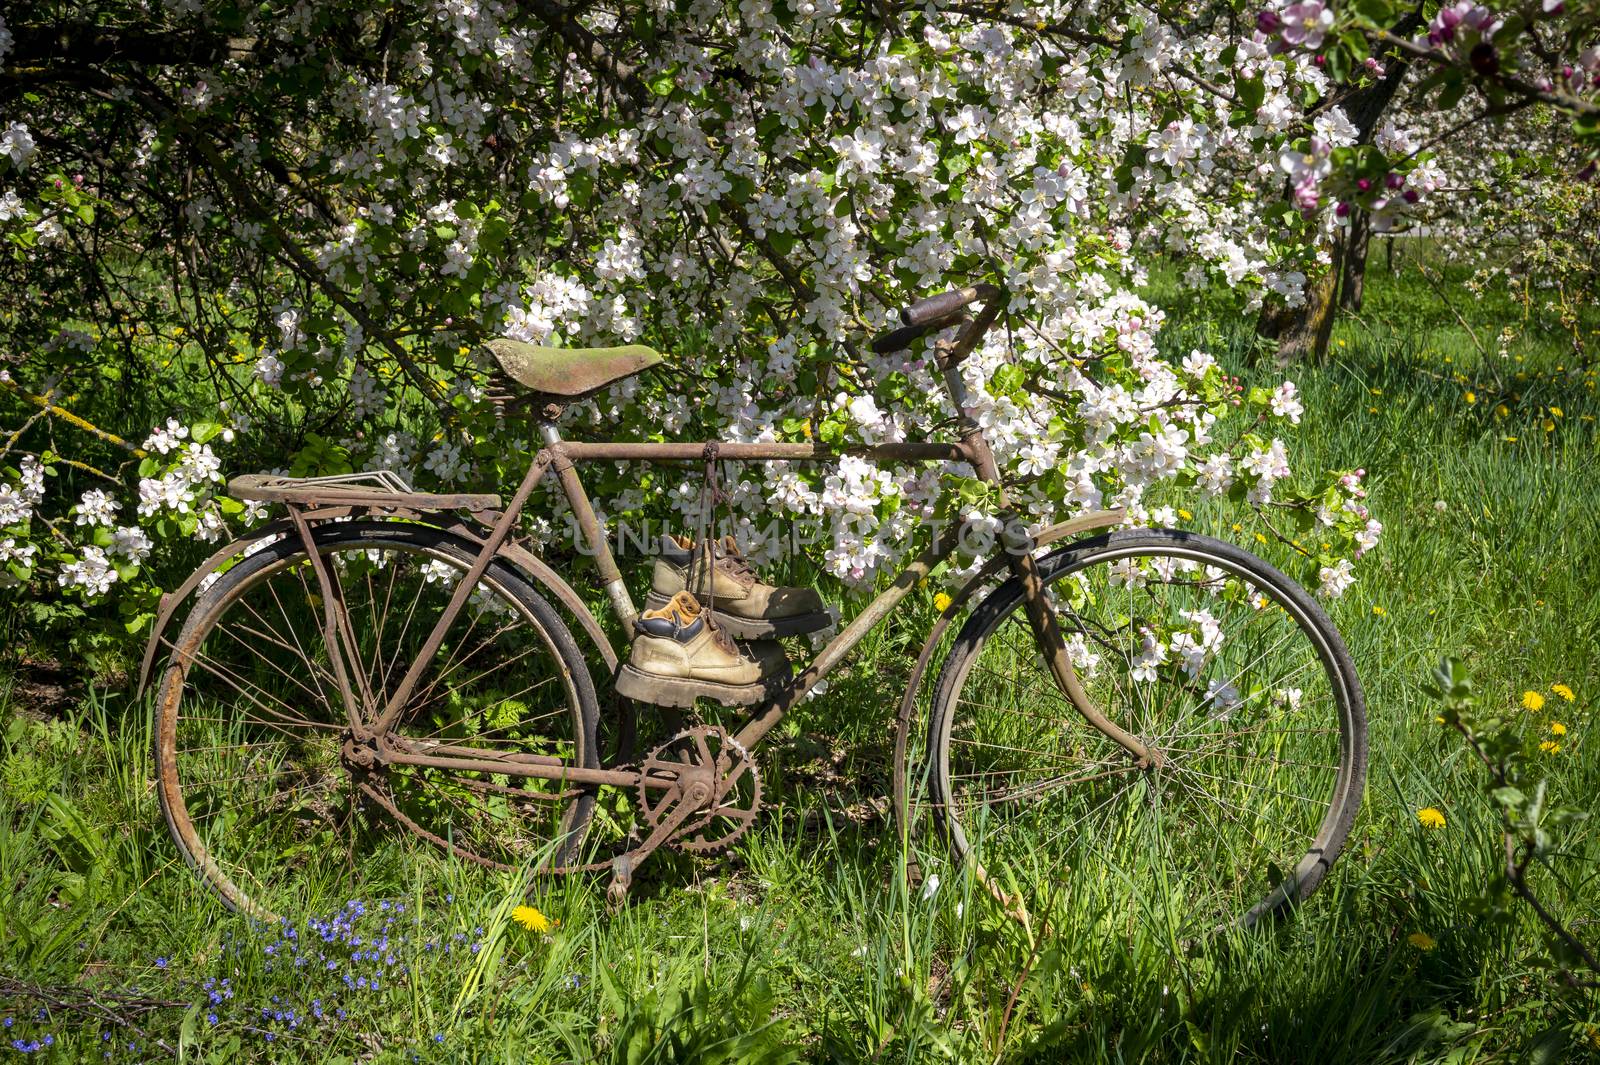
(532, 919)
(1558, 412)
(1557, 728)
(1184, 514)
(1563, 691)
(1378, 610)
(941, 602)
(1550, 747)
(1431, 817)
(1471, 396)
(1532, 701)
(1421, 940)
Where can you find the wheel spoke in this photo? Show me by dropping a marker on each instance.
(1244, 714)
(259, 757)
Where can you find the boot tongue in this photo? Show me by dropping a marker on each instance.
(685, 606)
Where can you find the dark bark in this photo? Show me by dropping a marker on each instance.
(1353, 263)
(1304, 332)
(87, 44)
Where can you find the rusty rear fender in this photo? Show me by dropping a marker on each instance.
(530, 566)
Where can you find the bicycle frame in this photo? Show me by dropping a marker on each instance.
(371, 725)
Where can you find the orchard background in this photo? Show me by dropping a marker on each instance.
(1324, 275)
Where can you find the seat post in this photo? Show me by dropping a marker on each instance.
(589, 526)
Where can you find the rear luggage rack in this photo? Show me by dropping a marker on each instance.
(374, 488)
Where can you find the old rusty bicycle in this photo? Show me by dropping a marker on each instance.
(383, 671)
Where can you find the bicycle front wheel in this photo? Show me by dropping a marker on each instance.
(1225, 668)
(267, 792)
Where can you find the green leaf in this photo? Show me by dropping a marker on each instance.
(1455, 88)
(1509, 797)
(1007, 380)
(663, 83)
(1377, 13)
(1251, 92)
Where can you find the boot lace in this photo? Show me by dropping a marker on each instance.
(721, 638)
(738, 566)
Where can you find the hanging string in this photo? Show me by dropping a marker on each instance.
(710, 495)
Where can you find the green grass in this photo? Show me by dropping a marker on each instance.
(809, 939)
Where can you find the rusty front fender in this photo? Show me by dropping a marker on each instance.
(1098, 519)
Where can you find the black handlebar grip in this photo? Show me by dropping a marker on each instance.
(898, 339)
(945, 304)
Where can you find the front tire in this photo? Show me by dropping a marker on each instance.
(1216, 660)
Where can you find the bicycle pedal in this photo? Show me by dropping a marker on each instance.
(621, 882)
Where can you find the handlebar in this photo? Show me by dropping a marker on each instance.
(946, 303)
(931, 315)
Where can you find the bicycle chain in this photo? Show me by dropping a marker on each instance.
(699, 834)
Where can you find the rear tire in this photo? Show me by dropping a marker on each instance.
(262, 794)
(1215, 659)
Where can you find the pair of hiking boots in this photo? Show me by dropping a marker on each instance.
(682, 650)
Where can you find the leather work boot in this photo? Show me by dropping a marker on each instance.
(742, 604)
(679, 654)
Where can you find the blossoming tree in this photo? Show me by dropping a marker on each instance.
(1413, 79)
(298, 220)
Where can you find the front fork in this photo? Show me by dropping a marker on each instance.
(1019, 557)
(1047, 633)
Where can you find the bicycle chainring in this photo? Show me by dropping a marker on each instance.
(735, 801)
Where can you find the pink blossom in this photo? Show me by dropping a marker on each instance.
(1306, 24)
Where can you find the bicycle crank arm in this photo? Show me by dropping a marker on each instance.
(694, 798)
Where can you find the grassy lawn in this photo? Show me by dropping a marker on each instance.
(809, 941)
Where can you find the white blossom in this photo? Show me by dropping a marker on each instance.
(97, 507)
(93, 573)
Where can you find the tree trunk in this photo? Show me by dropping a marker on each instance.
(1303, 333)
(1353, 264)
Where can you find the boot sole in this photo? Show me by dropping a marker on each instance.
(754, 629)
(683, 691)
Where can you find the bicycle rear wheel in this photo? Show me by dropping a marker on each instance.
(1224, 667)
(260, 780)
